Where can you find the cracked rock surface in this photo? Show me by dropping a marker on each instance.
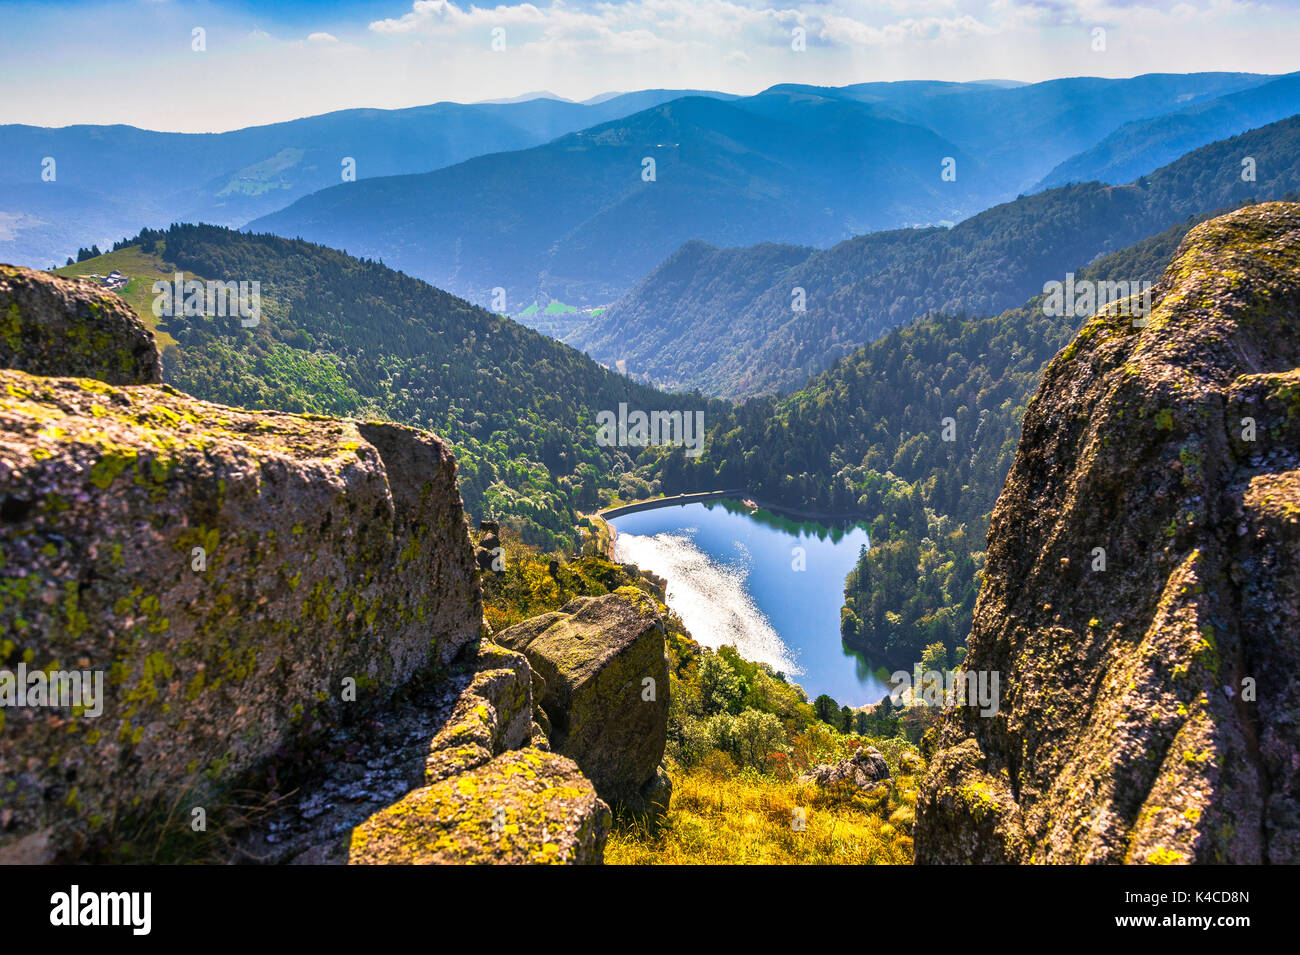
(1150, 708)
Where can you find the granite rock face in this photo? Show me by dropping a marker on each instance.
(1142, 594)
(604, 675)
(523, 807)
(224, 572)
(56, 326)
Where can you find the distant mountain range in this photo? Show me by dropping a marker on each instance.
(575, 221)
(549, 199)
(1016, 130)
(725, 320)
(1142, 146)
(580, 219)
(110, 181)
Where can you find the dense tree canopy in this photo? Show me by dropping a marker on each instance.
(345, 336)
(867, 439)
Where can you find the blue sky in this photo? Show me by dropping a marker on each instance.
(133, 61)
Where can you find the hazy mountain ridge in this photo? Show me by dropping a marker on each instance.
(1139, 147)
(809, 166)
(1016, 129)
(741, 344)
(579, 220)
(113, 180)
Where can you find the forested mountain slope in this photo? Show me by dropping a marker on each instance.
(701, 324)
(343, 336)
(867, 438)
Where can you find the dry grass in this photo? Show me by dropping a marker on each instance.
(747, 820)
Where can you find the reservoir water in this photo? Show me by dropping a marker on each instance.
(734, 578)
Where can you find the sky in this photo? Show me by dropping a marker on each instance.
(211, 66)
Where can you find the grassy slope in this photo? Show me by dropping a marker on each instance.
(144, 269)
(746, 819)
(722, 812)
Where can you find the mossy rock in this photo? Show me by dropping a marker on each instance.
(62, 327)
(523, 807)
(1129, 729)
(240, 580)
(493, 714)
(605, 686)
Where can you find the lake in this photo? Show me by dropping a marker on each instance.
(732, 578)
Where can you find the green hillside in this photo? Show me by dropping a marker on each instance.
(143, 268)
(735, 311)
(344, 336)
(865, 438)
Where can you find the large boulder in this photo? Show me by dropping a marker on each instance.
(1141, 600)
(235, 578)
(604, 691)
(55, 326)
(388, 778)
(524, 806)
(863, 770)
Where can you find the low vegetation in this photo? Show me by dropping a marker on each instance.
(740, 737)
(349, 337)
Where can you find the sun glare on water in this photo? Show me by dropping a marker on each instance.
(710, 597)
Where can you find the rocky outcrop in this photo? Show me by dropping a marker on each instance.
(1142, 593)
(525, 806)
(492, 715)
(266, 593)
(477, 791)
(234, 579)
(604, 690)
(54, 326)
(863, 770)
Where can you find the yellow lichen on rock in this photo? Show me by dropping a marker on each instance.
(1177, 451)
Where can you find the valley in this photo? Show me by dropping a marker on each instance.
(765, 584)
(634, 477)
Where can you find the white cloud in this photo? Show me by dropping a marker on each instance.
(433, 16)
(616, 24)
(847, 31)
(432, 50)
